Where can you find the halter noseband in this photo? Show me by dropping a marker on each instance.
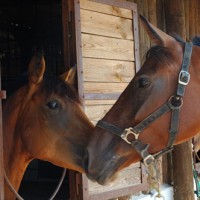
(174, 104)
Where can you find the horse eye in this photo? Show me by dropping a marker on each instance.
(143, 82)
(53, 104)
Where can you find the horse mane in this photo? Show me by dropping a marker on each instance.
(52, 84)
(159, 53)
(196, 41)
(162, 54)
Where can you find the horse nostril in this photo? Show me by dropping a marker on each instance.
(86, 160)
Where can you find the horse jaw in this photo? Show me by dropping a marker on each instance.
(15, 159)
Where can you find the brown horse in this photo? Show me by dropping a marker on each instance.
(43, 120)
(157, 100)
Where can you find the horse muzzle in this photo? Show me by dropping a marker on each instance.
(102, 169)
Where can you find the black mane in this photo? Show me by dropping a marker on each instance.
(53, 84)
(159, 53)
(196, 41)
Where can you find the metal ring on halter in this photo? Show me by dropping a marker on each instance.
(127, 132)
(177, 98)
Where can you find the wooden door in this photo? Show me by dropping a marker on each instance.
(107, 58)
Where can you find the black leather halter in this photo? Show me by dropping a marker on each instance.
(174, 104)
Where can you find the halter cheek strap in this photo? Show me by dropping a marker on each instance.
(174, 104)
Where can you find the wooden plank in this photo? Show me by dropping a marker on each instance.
(125, 178)
(96, 112)
(79, 49)
(106, 25)
(108, 9)
(192, 18)
(104, 87)
(109, 48)
(99, 102)
(100, 70)
(187, 27)
(152, 14)
(101, 96)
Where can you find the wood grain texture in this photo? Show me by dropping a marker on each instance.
(125, 178)
(96, 112)
(103, 8)
(106, 25)
(109, 48)
(99, 102)
(100, 70)
(104, 87)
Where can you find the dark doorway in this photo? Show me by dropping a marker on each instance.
(24, 27)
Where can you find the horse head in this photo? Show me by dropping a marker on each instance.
(153, 86)
(44, 120)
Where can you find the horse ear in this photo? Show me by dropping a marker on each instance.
(158, 36)
(36, 68)
(69, 76)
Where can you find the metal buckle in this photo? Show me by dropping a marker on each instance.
(148, 160)
(184, 77)
(127, 132)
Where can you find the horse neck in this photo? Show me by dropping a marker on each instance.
(16, 159)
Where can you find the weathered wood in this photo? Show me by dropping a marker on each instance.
(103, 8)
(96, 112)
(198, 18)
(186, 6)
(175, 17)
(101, 96)
(106, 25)
(99, 102)
(192, 18)
(100, 70)
(109, 48)
(182, 172)
(160, 14)
(152, 13)
(125, 178)
(104, 87)
(144, 39)
(182, 155)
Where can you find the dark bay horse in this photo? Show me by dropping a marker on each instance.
(158, 109)
(43, 120)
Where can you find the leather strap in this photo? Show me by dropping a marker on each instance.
(184, 75)
(110, 127)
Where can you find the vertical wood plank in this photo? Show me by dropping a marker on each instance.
(160, 12)
(182, 154)
(196, 16)
(186, 6)
(152, 14)
(175, 17)
(198, 21)
(192, 18)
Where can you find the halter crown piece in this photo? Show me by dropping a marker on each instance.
(174, 104)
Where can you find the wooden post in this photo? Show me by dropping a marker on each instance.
(182, 154)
